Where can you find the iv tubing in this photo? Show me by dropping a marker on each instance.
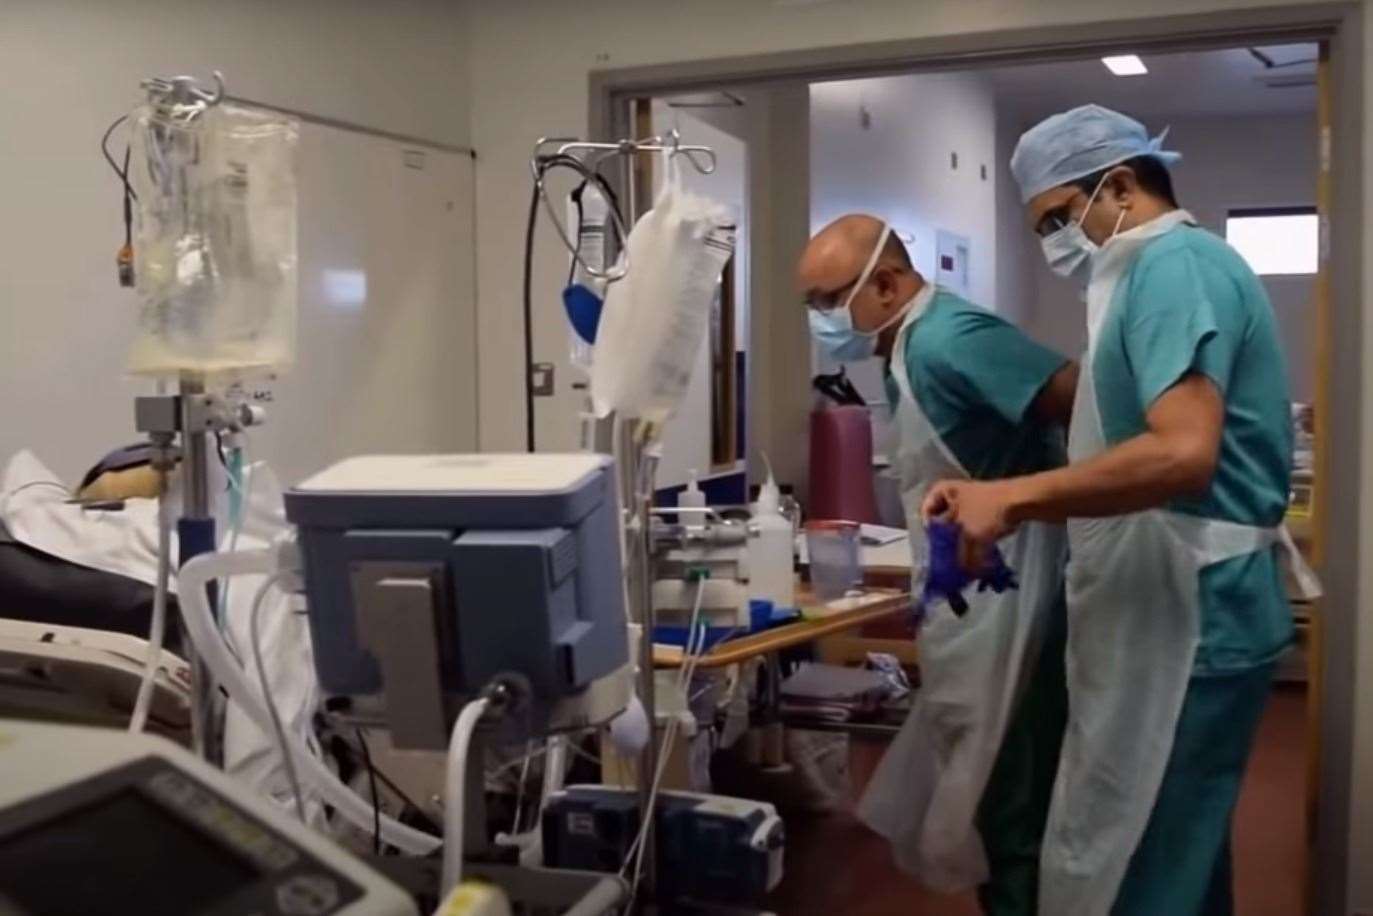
(158, 626)
(200, 625)
(455, 791)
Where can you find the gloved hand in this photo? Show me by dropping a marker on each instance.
(947, 577)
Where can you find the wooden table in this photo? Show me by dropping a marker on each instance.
(874, 604)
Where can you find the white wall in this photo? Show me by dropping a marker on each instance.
(1228, 163)
(70, 68)
(900, 167)
(402, 332)
(1016, 263)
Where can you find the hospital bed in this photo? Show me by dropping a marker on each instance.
(73, 674)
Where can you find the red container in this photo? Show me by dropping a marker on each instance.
(841, 472)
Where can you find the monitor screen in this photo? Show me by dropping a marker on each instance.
(122, 853)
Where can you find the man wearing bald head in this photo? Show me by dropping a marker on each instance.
(963, 792)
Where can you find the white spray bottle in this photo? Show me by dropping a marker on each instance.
(692, 498)
(771, 575)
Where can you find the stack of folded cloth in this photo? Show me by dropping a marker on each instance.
(834, 693)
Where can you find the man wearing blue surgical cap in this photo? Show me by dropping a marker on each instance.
(1180, 451)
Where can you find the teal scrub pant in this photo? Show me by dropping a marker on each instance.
(1015, 803)
(1182, 866)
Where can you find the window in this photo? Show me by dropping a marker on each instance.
(1276, 241)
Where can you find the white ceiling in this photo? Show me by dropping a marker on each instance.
(1183, 85)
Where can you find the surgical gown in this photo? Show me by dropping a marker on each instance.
(976, 377)
(1192, 305)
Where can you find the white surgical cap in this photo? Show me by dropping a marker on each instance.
(1077, 143)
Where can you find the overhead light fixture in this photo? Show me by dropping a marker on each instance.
(1125, 65)
(720, 99)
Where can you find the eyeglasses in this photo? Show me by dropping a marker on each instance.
(826, 301)
(829, 300)
(1053, 221)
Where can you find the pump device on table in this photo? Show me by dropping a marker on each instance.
(718, 848)
(712, 569)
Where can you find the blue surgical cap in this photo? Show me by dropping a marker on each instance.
(1077, 143)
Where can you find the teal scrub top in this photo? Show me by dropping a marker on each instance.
(975, 376)
(1190, 303)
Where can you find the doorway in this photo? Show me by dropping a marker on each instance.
(1333, 325)
(928, 152)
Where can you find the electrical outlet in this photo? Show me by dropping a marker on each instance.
(541, 379)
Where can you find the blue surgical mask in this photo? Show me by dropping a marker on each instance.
(1067, 249)
(833, 328)
(838, 338)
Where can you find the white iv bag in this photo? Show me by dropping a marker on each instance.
(215, 248)
(655, 318)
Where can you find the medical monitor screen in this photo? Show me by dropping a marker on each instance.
(121, 854)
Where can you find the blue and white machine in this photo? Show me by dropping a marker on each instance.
(429, 577)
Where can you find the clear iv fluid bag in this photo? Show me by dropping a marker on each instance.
(215, 249)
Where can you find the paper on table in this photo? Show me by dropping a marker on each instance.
(851, 602)
(878, 535)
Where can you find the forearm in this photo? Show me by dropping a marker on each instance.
(1139, 473)
(1053, 405)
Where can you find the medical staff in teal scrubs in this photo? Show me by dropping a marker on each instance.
(1180, 449)
(963, 791)
(976, 377)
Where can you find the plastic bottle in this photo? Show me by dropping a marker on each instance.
(771, 576)
(692, 498)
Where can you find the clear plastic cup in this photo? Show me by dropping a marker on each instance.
(834, 566)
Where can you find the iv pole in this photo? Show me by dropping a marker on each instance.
(626, 439)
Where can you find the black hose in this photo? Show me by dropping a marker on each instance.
(544, 166)
(529, 319)
(376, 799)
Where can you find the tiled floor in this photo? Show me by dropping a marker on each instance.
(834, 866)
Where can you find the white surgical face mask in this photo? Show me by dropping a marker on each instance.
(833, 329)
(1068, 249)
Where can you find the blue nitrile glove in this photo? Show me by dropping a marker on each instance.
(946, 578)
